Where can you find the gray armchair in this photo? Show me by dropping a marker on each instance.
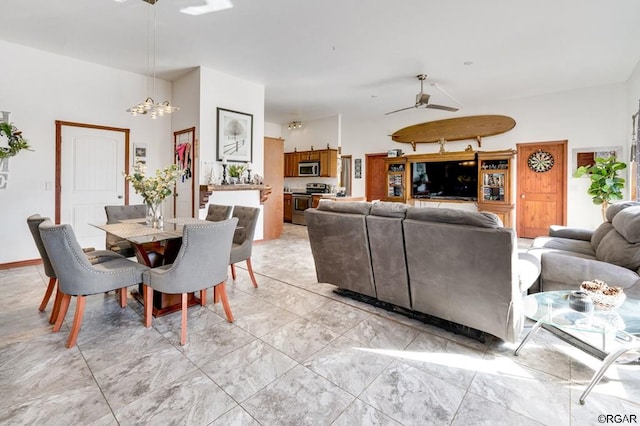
(218, 212)
(94, 256)
(78, 277)
(243, 239)
(201, 263)
(117, 214)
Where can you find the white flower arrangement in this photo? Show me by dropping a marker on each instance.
(153, 189)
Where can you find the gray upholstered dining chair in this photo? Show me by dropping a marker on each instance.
(78, 277)
(117, 214)
(201, 263)
(243, 239)
(218, 212)
(94, 256)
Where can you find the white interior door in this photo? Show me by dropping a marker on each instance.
(92, 163)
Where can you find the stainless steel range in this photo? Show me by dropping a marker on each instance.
(304, 200)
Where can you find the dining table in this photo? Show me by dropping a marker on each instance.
(154, 247)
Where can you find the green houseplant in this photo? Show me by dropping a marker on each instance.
(236, 170)
(606, 185)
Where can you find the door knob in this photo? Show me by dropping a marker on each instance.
(522, 196)
(119, 197)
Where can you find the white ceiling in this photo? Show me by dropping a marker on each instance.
(352, 57)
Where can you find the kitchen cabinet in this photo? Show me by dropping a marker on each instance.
(494, 184)
(288, 208)
(309, 156)
(396, 176)
(328, 159)
(291, 164)
(329, 163)
(315, 200)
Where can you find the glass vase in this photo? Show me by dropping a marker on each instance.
(154, 214)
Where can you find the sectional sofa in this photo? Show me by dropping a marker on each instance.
(455, 265)
(611, 253)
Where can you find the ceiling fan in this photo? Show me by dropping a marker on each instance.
(422, 99)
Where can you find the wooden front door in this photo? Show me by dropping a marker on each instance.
(542, 195)
(376, 175)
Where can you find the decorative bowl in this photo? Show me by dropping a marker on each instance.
(603, 296)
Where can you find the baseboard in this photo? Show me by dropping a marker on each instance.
(20, 264)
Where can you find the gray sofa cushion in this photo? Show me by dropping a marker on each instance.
(615, 249)
(383, 208)
(386, 242)
(456, 217)
(615, 208)
(627, 223)
(340, 249)
(564, 244)
(563, 270)
(599, 234)
(354, 207)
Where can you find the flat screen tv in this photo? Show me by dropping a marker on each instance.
(446, 180)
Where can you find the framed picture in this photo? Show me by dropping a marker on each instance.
(357, 169)
(235, 136)
(140, 151)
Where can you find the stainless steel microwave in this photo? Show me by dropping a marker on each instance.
(310, 168)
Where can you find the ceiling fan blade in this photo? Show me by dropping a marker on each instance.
(442, 107)
(398, 110)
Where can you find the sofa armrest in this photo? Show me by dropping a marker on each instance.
(572, 233)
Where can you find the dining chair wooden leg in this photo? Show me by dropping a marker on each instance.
(183, 334)
(222, 291)
(216, 295)
(64, 306)
(47, 294)
(233, 271)
(203, 297)
(77, 320)
(56, 307)
(147, 295)
(123, 297)
(250, 269)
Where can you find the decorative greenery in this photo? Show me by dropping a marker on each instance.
(154, 189)
(16, 142)
(236, 170)
(605, 183)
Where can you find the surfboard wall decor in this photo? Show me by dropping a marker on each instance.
(455, 129)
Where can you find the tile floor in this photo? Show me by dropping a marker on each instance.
(297, 354)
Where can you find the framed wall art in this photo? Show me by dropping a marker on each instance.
(235, 136)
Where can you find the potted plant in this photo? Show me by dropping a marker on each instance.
(235, 171)
(606, 185)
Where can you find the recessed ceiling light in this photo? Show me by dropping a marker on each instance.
(468, 63)
(208, 7)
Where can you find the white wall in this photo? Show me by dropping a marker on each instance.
(591, 117)
(38, 88)
(219, 90)
(316, 134)
(272, 130)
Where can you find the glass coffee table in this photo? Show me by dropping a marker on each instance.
(606, 334)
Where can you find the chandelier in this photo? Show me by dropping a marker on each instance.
(295, 125)
(149, 106)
